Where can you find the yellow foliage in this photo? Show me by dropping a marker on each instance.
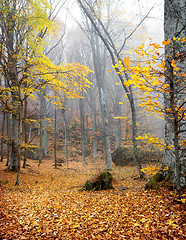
(166, 42)
(120, 117)
(127, 61)
(155, 141)
(150, 170)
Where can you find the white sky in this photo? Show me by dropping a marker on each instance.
(132, 10)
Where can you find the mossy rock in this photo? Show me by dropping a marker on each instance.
(122, 156)
(160, 179)
(101, 182)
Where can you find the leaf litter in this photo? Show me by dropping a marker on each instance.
(49, 205)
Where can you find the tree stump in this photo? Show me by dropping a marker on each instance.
(160, 179)
(101, 182)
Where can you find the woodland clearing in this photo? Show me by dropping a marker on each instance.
(48, 205)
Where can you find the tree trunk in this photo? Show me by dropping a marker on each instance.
(45, 126)
(2, 137)
(30, 134)
(66, 137)
(26, 134)
(134, 133)
(12, 79)
(87, 130)
(91, 104)
(40, 140)
(93, 118)
(15, 140)
(9, 130)
(106, 130)
(41, 130)
(99, 66)
(55, 136)
(117, 125)
(81, 106)
(175, 127)
(19, 142)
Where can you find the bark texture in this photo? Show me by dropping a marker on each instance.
(175, 126)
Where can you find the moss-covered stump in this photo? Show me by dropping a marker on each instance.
(160, 179)
(101, 182)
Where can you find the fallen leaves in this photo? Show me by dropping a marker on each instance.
(49, 210)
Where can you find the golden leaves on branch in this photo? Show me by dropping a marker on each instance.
(147, 75)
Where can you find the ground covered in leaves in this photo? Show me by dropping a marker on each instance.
(49, 205)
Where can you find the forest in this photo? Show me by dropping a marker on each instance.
(92, 119)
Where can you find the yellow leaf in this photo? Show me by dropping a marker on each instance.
(127, 61)
(120, 117)
(76, 226)
(166, 42)
(165, 168)
(136, 224)
(139, 138)
(142, 46)
(127, 84)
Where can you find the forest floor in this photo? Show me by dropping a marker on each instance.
(48, 205)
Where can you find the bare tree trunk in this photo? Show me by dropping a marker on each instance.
(26, 134)
(134, 133)
(87, 130)
(93, 117)
(13, 80)
(19, 142)
(91, 104)
(175, 126)
(81, 106)
(70, 140)
(66, 136)
(117, 125)
(30, 134)
(55, 136)
(15, 140)
(40, 138)
(106, 130)
(100, 78)
(45, 126)
(2, 137)
(9, 130)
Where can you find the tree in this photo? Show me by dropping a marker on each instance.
(175, 104)
(158, 80)
(107, 38)
(23, 64)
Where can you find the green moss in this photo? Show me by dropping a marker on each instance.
(100, 182)
(160, 179)
(4, 182)
(153, 182)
